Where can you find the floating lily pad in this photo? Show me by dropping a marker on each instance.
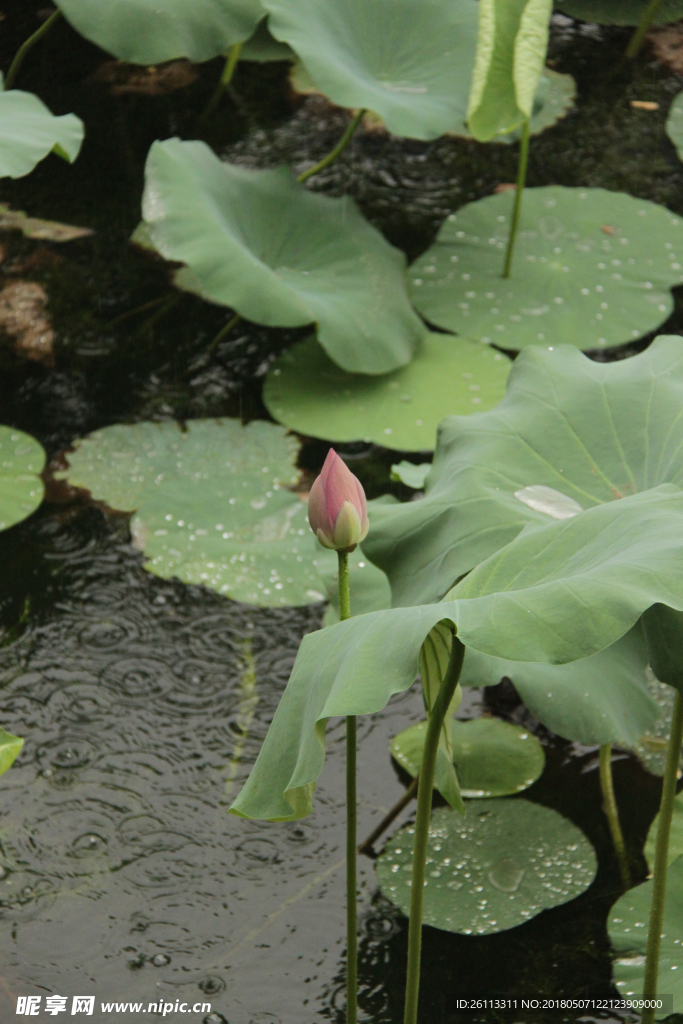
(619, 12)
(10, 748)
(628, 928)
(553, 100)
(211, 503)
(29, 131)
(280, 255)
(603, 699)
(150, 31)
(498, 867)
(410, 474)
(674, 122)
(21, 490)
(309, 394)
(592, 268)
(367, 53)
(675, 840)
(492, 758)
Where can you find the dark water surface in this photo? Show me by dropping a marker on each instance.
(143, 702)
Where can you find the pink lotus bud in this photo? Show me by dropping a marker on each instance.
(337, 510)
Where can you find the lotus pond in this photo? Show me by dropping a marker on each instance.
(445, 238)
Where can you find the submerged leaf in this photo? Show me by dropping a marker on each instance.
(33, 227)
(280, 255)
(29, 131)
(492, 758)
(592, 268)
(21, 462)
(211, 504)
(628, 929)
(409, 61)
(308, 393)
(505, 862)
(151, 31)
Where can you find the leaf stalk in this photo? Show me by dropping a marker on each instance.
(424, 812)
(611, 809)
(638, 37)
(666, 809)
(519, 193)
(27, 45)
(338, 149)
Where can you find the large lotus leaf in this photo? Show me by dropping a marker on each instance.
(10, 748)
(592, 268)
(628, 928)
(652, 746)
(675, 840)
(152, 31)
(511, 51)
(493, 758)
(308, 393)
(556, 593)
(262, 47)
(554, 98)
(498, 867)
(602, 699)
(280, 255)
(21, 490)
(619, 12)
(409, 61)
(211, 503)
(570, 433)
(29, 131)
(674, 122)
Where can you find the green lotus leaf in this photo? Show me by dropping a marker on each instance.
(263, 47)
(498, 867)
(556, 593)
(434, 659)
(150, 32)
(571, 433)
(602, 699)
(511, 52)
(492, 758)
(675, 840)
(410, 474)
(674, 122)
(628, 928)
(652, 745)
(21, 462)
(29, 131)
(307, 392)
(554, 98)
(280, 255)
(10, 748)
(592, 268)
(619, 12)
(211, 504)
(367, 53)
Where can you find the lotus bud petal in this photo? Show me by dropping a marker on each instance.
(337, 509)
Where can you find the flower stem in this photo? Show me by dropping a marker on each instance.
(519, 192)
(646, 20)
(339, 148)
(612, 811)
(225, 330)
(27, 45)
(424, 811)
(231, 62)
(351, 828)
(666, 809)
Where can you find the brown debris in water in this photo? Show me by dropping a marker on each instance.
(23, 318)
(666, 43)
(156, 80)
